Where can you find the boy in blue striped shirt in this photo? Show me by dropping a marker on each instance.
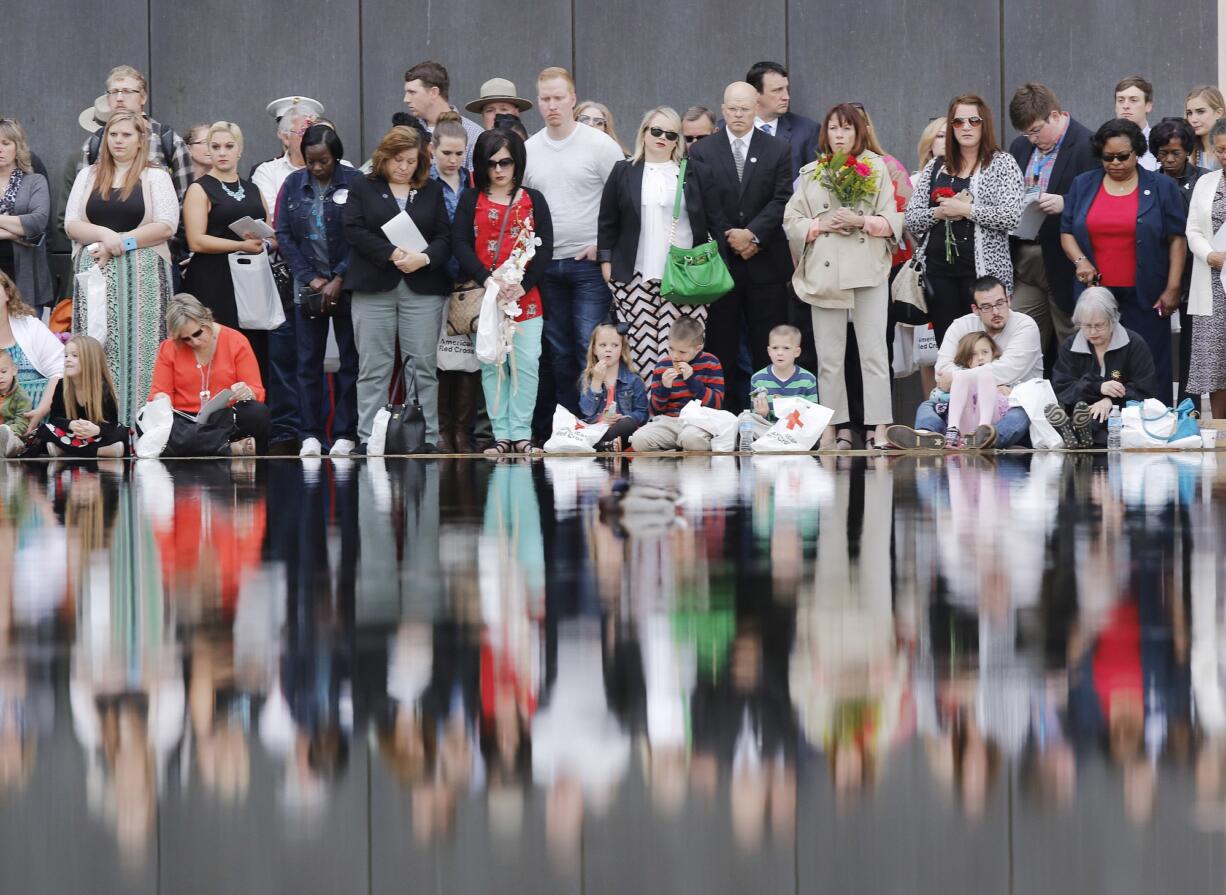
(782, 379)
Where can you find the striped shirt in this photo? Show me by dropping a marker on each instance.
(705, 385)
(801, 384)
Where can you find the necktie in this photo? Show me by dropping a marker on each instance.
(738, 158)
(768, 129)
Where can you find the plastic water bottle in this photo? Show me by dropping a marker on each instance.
(1115, 430)
(745, 435)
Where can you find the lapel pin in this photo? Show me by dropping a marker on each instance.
(1147, 192)
(753, 160)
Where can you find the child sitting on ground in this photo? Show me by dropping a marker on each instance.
(14, 404)
(686, 373)
(610, 390)
(781, 379)
(973, 402)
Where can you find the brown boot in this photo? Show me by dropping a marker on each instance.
(448, 383)
(466, 394)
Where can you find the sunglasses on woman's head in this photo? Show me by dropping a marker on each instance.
(973, 121)
(661, 132)
(502, 163)
(1117, 157)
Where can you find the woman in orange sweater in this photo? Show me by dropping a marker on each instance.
(200, 359)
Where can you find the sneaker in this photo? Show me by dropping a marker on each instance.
(342, 447)
(310, 448)
(981, 439)
(914, 439)
(1059, 419)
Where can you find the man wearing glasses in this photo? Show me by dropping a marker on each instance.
(1052, 149)
(1021, 359)
(696, 123)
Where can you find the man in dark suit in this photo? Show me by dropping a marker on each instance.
(751, 176)
(770, 79)
(1052, 149)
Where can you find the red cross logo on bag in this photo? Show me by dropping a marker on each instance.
(794, 420)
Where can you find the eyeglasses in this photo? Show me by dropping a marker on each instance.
(973, 121)
(1172, 153)
(123, 91)
(502, 163)
(1116, 157)
(693, 138)
(591, 121)
(1036, 129)
(188, 339)
(661, 132)
(993, 306)
(1099, 327)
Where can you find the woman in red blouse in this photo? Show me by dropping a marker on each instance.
(202, 358)
(482, 238)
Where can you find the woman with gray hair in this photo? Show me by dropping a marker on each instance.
(1101, 365)
(200, 359)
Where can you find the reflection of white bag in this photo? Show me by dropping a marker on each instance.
(488, 342)
(255, 291)
(719, 424)
(456, 353)
(153, 424)
(925, 354)
(570, 436)
(1034, 396)
(800, 425)
(378, 433)
(91, 291)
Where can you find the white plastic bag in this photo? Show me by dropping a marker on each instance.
(488, 342)
(926, 348)
(153, 425)
(378, 433)
(904, 351)
(1034, 396)
(1154, 425)
(456, 353)
(799, 426)
(255, 291)
(570, 436)
(719, 424)
(91, 290)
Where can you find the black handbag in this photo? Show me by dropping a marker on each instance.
(189, 438)
(406, 430)
(284, 279)
(313, 304)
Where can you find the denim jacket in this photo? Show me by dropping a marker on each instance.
(294, 224)
(631, 398)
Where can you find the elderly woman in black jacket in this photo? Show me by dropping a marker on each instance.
(397, 291)
(636, 213)
(1100, 366)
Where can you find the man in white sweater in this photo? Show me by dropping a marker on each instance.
(1021, 358)
(569, 163)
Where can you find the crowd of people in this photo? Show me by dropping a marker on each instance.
(1044, 259)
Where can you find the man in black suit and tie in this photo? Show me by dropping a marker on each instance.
(751, 174)
(770, 79)
(1052, 149)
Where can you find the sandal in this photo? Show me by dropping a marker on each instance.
(523, 446)
(500, 447)
(1058, 417)
(1081, 424)
(841, 440)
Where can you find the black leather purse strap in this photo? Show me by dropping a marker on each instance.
(408, 374)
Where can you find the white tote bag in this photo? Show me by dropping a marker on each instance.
(255, 291)
(571, 436)
(719, 424)
(1035, 396)
(799, 426)
(91, 290)
(489, 327)
(456, 353)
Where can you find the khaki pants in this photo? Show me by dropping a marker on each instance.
(667, 433)
(1031, 295)
(872, 306)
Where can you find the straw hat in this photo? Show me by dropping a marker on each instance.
(498, 90)
(96, 116)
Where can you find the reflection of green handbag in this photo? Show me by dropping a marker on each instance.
(696, 276)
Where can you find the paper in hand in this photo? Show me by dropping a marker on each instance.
(1031, 220)
(219, 401)
(403, 233)
(248, 224)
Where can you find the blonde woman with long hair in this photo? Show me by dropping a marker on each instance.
(120, 214)
(632, 241)
(597, 115)
(84, 419)
(1203, 107)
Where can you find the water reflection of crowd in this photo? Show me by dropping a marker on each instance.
(528, 642)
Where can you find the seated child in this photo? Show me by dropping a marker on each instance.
(610, 390)
(782, 379)
(14, 403)
(973, 402)
(686, 373)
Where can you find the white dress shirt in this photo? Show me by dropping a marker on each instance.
(656, 216)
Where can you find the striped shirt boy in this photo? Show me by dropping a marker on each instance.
(801, 384)
(705, 385)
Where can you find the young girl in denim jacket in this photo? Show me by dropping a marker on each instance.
(610, 390)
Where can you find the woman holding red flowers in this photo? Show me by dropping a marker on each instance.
(843, 226)
(964, 206)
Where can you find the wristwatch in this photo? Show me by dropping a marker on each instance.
(129, 244)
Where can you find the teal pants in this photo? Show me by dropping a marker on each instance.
(510, 394)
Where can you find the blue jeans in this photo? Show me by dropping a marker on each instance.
(312, 343)
(282, 384)
(576, 299)
(1011, 429)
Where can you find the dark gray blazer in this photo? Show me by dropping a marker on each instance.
(33, 207)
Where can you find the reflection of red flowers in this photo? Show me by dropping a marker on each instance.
(942, 192)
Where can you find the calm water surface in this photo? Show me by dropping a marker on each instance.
(919, 675)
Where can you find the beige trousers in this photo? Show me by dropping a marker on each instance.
(872, 305)
(667, 433)
(1032, 297)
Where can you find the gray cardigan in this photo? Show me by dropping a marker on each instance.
(33, 207)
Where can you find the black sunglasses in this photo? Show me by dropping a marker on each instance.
(1117, 157)
(502, 163)
(661, 132)
(192, 337)
(693, 138)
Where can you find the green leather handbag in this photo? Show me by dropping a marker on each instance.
(696, 276)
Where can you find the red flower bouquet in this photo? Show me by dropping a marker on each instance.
(951, 244)
(850, 179)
